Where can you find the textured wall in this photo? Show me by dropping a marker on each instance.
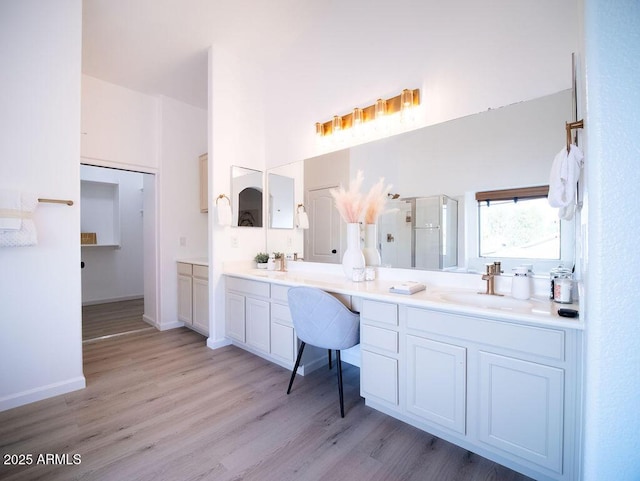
(612, 394)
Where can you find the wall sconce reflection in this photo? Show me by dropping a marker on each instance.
(302, 217)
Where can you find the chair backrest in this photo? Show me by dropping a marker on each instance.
(322, 320)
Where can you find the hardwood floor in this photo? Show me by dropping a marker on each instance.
(162, 406)
(109, 319)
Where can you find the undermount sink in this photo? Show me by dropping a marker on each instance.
(485, 300)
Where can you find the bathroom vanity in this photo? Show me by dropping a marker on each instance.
(494, 375)
(193, 294)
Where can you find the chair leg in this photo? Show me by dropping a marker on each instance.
(330, 366)
(295, 368)
(339, 365)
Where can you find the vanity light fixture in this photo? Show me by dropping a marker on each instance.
(357, 117)
(224, 211)
(382, 108)
(336, 123)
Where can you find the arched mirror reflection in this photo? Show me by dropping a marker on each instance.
(246, 195)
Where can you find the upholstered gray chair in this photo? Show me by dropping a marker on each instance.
(322, 321)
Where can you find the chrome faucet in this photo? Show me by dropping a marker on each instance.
(493, 270)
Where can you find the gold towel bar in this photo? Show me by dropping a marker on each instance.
(56, 201)
(569, 126)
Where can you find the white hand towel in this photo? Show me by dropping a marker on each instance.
(26, 235)
(10, 213)
(303, 220)
(565, 172)
(224, 214)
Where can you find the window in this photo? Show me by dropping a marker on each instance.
(518, 223)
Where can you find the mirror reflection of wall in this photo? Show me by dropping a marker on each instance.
(508, 147)
(246, 197)
(281, 201)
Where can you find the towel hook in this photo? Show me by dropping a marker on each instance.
(569, 126)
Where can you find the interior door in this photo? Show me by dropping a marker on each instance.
(323, 235)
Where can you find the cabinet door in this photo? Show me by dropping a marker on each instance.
(379, 378)
(283, 338)
(257, 323)
(521, 408)
(201, 304)
(436, 382)
(234, 316)
(282, 342)
(185, 287)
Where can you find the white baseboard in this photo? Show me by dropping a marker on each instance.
(216, 344)
(42, 392)
(148, 320)
(169, 325)
(111, 299)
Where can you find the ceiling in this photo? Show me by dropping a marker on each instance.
(160, 47)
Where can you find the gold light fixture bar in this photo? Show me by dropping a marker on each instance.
(368, 113)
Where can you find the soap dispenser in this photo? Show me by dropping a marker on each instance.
(521, 283)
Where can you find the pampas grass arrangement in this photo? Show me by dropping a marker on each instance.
(350, 203)
(375, 201)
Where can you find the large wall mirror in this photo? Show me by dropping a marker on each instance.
(246, 197)
(508, 147)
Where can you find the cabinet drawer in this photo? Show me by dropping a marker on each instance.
(279, 293)
(549, 343)
(281, 314)
(380, 338)
(383, 312)
(185, 269)
(254, 288)
(201, 271)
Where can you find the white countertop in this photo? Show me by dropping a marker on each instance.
(198, 261)
(537, 310)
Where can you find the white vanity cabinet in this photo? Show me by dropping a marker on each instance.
(247, 312)
(503, 388)
(193, 296)
(380, 348)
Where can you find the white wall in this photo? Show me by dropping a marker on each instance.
(113, 274)
(236, 128)
(612, 274)
(183, 228)
(119, 125)
(40, 316)
(465, 57)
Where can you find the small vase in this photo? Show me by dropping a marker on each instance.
(352, 257)
(370, 251)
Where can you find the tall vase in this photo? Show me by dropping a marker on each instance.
(370, 251)
(353, 255)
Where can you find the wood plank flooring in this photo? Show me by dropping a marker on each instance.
(161, 406)
(113, 318)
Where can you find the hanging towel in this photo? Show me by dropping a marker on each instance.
(26, 234)
(10, 214)
(303, 220)
(224, 215)
(565, 172)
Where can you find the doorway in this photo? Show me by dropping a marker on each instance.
(117, 233)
